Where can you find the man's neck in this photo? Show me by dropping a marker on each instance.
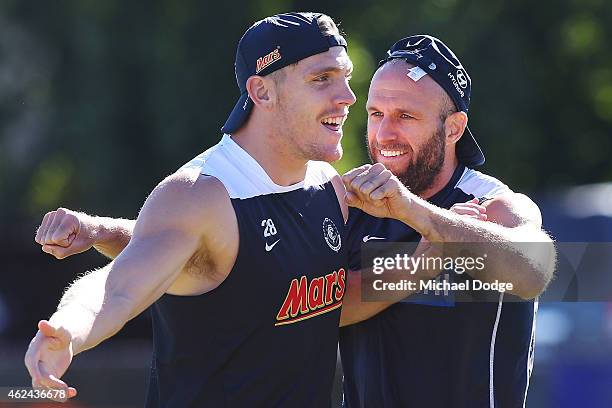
(443, 177)
(278, 164)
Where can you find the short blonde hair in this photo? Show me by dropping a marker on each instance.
(327, 25)
(328, 28)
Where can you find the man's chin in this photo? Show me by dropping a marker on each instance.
(335, 156)
(397, 165)
(330, 155)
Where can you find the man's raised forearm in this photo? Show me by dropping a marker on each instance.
(112, 235)
(523, 255)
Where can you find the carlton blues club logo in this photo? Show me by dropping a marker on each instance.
(331, 235)
(309, 299)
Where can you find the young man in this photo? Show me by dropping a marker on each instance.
(433, 350)
(223, 248)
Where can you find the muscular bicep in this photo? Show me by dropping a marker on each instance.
(148, 266)
(168, 231)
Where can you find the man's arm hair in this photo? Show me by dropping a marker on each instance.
(510, 216)
(64, 232)
(518, 250)
(165, 237)
(113, 235)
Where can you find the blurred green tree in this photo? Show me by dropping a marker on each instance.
(100, 100)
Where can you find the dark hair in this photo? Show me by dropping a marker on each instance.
(448, 107)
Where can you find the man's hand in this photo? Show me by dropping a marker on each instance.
(64, 232)
(49, 356)
(375, 190)
(471, 209)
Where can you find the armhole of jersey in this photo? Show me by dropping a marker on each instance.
(321, 173)
(480, 185)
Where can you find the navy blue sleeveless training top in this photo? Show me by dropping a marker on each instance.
(267, 336)
(428, 350)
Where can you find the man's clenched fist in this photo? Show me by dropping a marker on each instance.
(65, 232)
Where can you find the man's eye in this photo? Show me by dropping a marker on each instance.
(322, 78)
(406, 116)
(376, 114)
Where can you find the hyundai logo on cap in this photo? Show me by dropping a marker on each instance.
(437, 60)
(271, 44)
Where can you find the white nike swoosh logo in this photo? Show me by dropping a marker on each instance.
(269, 247)
(417, 42)
(368, 238)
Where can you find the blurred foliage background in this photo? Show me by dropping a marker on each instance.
(100, 100)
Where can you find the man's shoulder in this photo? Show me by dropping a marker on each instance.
(189, 199)
(191, 184)
(322, 171)
(319, 173)
(513, 209)
(504, 205)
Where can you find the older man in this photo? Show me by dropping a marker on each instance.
(432, 350)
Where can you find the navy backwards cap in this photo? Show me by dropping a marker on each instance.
(436, 59)
(271, 44)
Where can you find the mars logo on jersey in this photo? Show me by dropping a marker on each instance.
(267, 60)
(305, 300)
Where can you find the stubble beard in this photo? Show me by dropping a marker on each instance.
(310, 150)
(423, 168)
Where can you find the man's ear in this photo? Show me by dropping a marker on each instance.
(454, 126)
(261, 91)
